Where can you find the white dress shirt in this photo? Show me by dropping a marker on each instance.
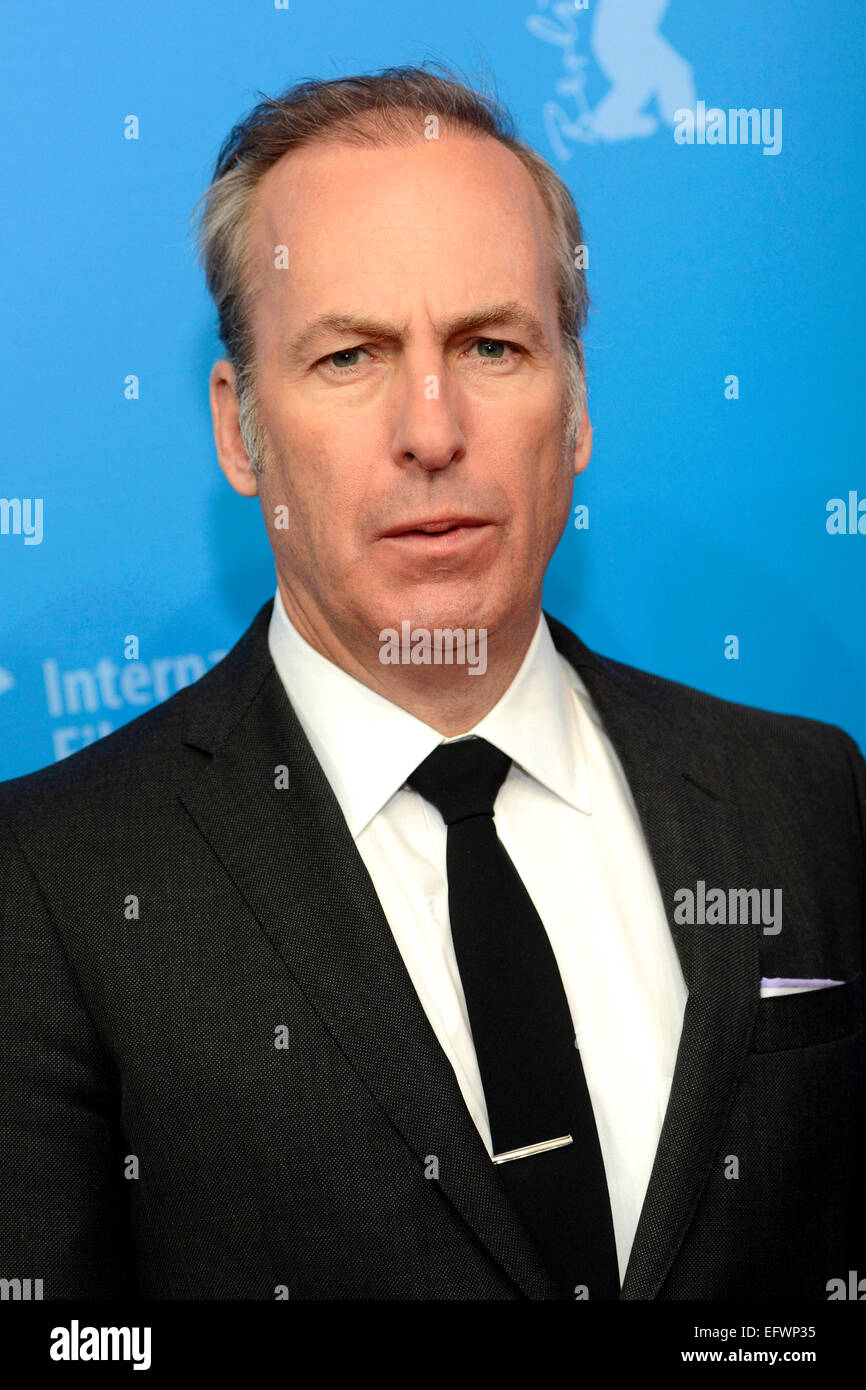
(566, 816)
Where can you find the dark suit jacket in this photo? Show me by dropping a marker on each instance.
(154, 1140)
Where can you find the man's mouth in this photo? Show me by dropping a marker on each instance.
(440, 541)
(435, 526)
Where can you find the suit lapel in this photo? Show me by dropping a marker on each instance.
(679, 778)
(291, 856)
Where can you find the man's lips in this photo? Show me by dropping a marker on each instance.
(441, 539)
(434, 526)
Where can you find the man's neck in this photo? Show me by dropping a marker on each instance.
(450, 696)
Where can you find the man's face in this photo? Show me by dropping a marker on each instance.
(410, 378)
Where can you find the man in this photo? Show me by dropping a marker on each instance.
(351, 972)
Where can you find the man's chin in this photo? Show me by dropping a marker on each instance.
(440, 607)
(488, 598)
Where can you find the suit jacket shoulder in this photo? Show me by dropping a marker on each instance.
(786, 758)
(150, 753)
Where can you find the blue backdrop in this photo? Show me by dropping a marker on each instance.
(723, 349)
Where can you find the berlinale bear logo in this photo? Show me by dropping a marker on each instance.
(641, 65)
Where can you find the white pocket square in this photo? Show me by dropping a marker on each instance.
(772, 988)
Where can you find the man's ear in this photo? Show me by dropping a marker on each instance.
(583, 444)
(231, 452)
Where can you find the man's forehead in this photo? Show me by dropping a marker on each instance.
(323, 175)
(354, 214)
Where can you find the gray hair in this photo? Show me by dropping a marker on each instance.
(390, 106)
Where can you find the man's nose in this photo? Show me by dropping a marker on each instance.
(427, 428)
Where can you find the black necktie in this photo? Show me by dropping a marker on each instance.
(522, 1030)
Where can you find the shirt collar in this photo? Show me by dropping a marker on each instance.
(368, 746)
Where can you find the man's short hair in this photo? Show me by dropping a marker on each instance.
(388, 107)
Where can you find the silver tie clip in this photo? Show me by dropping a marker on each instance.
(531, 1149)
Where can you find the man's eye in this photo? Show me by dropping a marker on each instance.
(492, 349)
(346, 357)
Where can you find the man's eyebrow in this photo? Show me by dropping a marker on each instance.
(485, 316)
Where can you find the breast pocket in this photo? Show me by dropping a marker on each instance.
(807, 1019)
